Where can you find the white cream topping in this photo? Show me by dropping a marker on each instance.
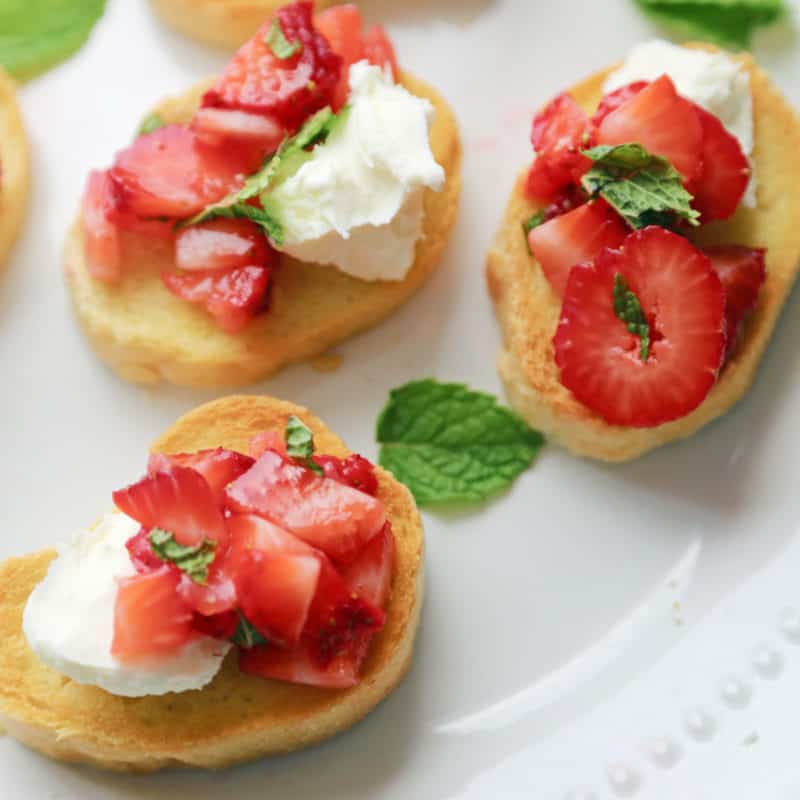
(712, 80)
(69, 620)
(357, 202)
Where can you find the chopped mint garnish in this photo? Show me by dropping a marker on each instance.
(152, 122)
(194, 561)
(290, 156)
(628, 308)
(246, 635)
(300, 444)
(534, 221)
(729, 23)
(279, 44)
(643, 188)
(447, 443)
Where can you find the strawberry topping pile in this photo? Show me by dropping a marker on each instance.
(296, 64)
(290, 557)
(648, 319)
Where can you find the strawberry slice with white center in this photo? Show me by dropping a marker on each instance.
(602, 362)
(574, 238)
(219, 466)
(150, 618)
(335, 518)
(742, 271)
(217, 124)
(101, 236)
(178, 500)
(172, 173)
(661, 121)
(725, 172)
(370, 575)
(222, 244)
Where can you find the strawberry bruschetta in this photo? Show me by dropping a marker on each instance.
(262, 576)
(646, 254)
(265, 216)
(14, 166)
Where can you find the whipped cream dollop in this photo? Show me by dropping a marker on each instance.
(357, 203)
(712, 80)
(69, 620)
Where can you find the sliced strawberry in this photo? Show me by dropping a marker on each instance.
(101, 236)
(370, 575)
(613, 100)
(141, 552)
(573, 238)
(172, 173)
(559, 133)
(218, 124)
(742, 271)
(233, 297)
(287, 90)
(218, 626)
(725, 172)
(335, 518)
(216, 596)
(150, 619)
(222, 244)
(662, 122)
(683, 301)
(219, 467)
(267, 440)
(178, 500)
(342, 27)
(355, 471)
(379, 50)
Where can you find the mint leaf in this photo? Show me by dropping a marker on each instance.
(534, 221)
(729, 23)
(300, 443)
(643, 188)
(447, 443)
(246, 635)
(628, 308)
(152, 122)
(279, 44)
(194, 561)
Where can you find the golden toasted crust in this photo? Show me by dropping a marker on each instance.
(220, 23)
(528, 309)
(147, 334)
(14, 166)
(237, 717)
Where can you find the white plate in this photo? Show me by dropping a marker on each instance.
(594, 630)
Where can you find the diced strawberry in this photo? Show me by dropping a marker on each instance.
(335, 518)
(250, 532)
(101, 236)
(613, 100)
(216, 596)
(342, 27)
(559, 133)
(267, 440)
(682, 299)
(287, 90)
(742, 271)
(218, 626)
(355, 471)
(662, 122)
(218, 124)
(219, 467)
(222, 244)
(724, 174)
(141, 552)
(370, 575)
(178, 500)
(573, 238)
(379, 50)
(233, 297)
(172, 173)
(150, 619)
(568, 198)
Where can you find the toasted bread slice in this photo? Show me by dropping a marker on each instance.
(237, 717)
(148, 335)
(14, 166)
(528, 310)
(220, 23)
